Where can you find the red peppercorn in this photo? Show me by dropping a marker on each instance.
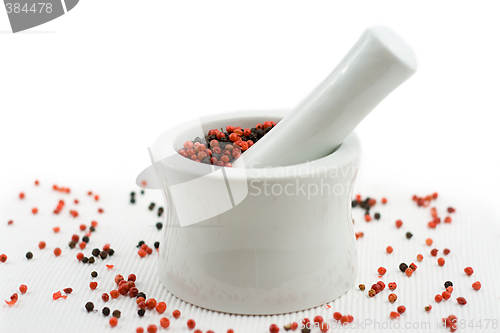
(451, 210)
(113, 321)
(142, 305)
(381, 270)
(21, 195)
(230, 129)
(105, 297)
(267, 124)
(447, 219)
(376, 288)
(392, 285)
(68, 290)
(420, 257)
(42, 245)
(389, 249)
(428, 241)
(132, 277)
(409, 272)
(93, 285)
(428, 308)
(233, 137)
(151, 303)
(337, 315)
(392, 298)
(401, 309)
(399, 223)
(82, 245)
(368, 218)
(446, 252)
(23, 288)
(476, 285)
(294, 326)
(191, 324)
(96, 198)
(461, 301)
(394, 315)
(274, 328)
(3, 258)
(57, 252)
(230, 330)
(114, 293)
(384, 201)
(468, 270)
(236, 152)
(450, 289)
(164, 322)
(149, 250)
(161, 307)
(142, 253)
(441, 261)
(34, 210)
(381, 285)
(176, 314)
(438, 298)
(318, 319)
(446, 295)
(434, 252)
(139, 330)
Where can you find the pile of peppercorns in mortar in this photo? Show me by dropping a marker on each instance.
(224, 147)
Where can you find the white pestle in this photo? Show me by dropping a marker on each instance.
(378, 63)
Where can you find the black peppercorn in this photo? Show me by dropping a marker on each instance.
(152, 206)
(111, 252)
(197, 140)
(224, 139)
(141, 312)
(260, 133)
(141, 294)
(448, 284)
(94, 274)
(403, 267)
(85, 260)
(106, 311)
(117, 314)
(95, 252)
(142, 192)
(132, 200)
(377, 216)
(85, 239)
(132, 194)
(354, 203)
(103, 254)
(91, 260)
(157, 245)
(29, 255)
(89, 306)
(92, 228)
(160, 211)
(267, 130)
(140, 244)
(72, 244)
(159, 225)
(409, 235)
(305, 329)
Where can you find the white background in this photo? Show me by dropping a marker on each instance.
(83, 96)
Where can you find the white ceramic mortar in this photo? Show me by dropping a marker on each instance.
(272, 253)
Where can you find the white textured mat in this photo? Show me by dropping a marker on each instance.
(473, 238)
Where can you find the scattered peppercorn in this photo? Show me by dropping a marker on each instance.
(392, 298)
(448, 284)
(23, 288)
(89, 306)
(409, 235)
(152, 329)
(159, 225)
(428, 308)
(441, 261)
(117, 314)
(164, 322)
(160, 211)
(57, 252)
(381, 270)
(95, 252)
(389, 249)
(476, 285)
(392, 285)
(399, 223)
(91, 260)
(461, 301)
(362, 286)
(105, 311)
(113, 322)
(29, 255)
(141, 312)
(93, 274)
(157, 245)
(176, 314)
(434, 252)
(85, 260)
(85, 239)
(403, 267)
(401, 309)
(468, 270)
(446, 252)
(420, 257)
(377, 216)
(111, 252)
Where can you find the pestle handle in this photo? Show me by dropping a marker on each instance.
(378, 63)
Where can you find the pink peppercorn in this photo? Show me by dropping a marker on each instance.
(93, 285)
(434, 252)
(376, 287)
(389, 249)
(3, 258)
(468, 270)
(394, 315)
(381, 285)
(401, 309)
(447, 219)
(476, 285)
(273, 328)
(428, 308)
(446, 295)
(441, 261)
(420, 257)
(409, 272)
(438, 298)
(392, 298)
(105, 297)
(392, 285)
(461, 301)
(428, 241)
(176, 314)
(139, 330)
(191, 324)
(399, 223)
(381, 270)
(446, 252)
(152, 329)
(337, 315)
